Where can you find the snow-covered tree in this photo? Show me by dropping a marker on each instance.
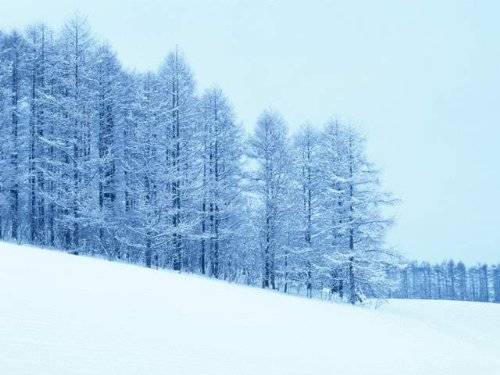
(13, 129)
(76, 91)
(352, 213)
(181, 138)
(305, 201)
(269, 150)
(221, 196)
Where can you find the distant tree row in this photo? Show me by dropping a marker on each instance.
(448, 280)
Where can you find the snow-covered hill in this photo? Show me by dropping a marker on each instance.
(63, 314)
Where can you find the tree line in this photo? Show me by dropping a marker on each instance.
(143, 168)
(448, 280)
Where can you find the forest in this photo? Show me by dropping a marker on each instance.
(144, 168)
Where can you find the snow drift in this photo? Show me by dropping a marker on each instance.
(64, 314)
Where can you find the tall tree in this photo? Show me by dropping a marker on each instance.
(484, 290)
(76, 95)
(353, 200)
(178, 116)
(12, 53)
(4, 122)
(268, 148)
(461, 281)
(306, 200)
(146, 164)
(111, 120)
(39, 74)
(220, 181)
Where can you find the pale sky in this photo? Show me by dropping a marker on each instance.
(422, 78)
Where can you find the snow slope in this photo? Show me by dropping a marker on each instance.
(64, 314)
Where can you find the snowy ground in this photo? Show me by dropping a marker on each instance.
(63, 314)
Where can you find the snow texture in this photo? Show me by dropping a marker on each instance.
(65, 314)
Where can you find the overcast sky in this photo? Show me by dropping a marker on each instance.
(422, 78)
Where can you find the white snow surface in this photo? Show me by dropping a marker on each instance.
(66, 314)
